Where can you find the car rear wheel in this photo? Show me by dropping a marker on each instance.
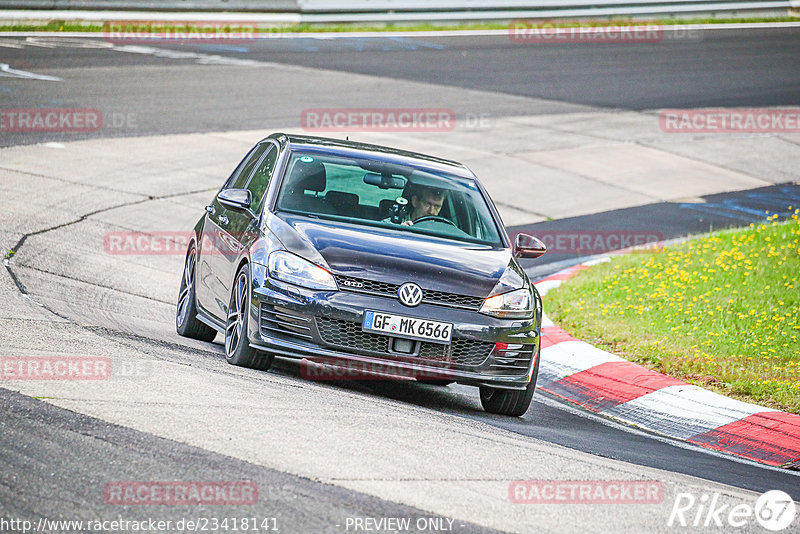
(186, 322)
(510, 401)
(237, 347)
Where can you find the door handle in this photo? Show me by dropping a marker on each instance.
(223, 219)
(210, 209)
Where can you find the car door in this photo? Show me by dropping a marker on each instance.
(217, 243)
(242, 228)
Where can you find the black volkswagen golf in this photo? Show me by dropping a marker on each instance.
(361, 256)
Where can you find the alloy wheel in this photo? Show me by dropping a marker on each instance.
(236, 319)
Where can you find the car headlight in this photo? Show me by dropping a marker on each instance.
(295, 270)
(516, 304)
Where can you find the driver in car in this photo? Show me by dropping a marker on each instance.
(425, 202)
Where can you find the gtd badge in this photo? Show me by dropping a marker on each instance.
(410, 294)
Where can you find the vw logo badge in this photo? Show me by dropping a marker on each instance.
(410, 294)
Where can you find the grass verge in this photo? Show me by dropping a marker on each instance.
(722, 311)
(71, 26)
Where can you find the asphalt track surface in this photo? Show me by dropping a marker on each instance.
(90, 450)
(732, 68)
(713, 68)
(747, 68)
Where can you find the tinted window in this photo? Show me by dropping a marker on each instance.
(242, 175)
(260, 179)
(375, 193)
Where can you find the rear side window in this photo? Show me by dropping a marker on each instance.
(263, 174)
(240, 177)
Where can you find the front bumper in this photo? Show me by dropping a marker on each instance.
(325, 327)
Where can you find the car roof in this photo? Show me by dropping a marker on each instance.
(383, 153)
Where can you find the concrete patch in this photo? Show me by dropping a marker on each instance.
(646, 171)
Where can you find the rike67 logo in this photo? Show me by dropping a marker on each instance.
(774, 510)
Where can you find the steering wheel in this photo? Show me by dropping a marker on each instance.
(435, 218)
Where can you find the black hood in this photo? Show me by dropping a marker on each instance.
(394, 257)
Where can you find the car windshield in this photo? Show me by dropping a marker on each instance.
(378, 193)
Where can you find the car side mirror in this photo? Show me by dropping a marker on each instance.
(236, 199)
(527, 246)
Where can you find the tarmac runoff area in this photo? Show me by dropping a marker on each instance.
(65, 294)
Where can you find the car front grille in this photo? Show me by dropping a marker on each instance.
(285, 322)
(513, 359)
(383, 289)
(349, 336)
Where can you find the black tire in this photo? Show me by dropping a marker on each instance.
(186, 322)
(237, 346)
(510, 401)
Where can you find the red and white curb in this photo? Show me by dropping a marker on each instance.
(606, 384)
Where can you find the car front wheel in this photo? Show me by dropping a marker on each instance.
(510, 401)
(237, 347)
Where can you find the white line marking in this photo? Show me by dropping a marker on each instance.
(570, 357)
(347, 35)
(203, 59)
(61, 41)
(683, 411)
(609, 421)
(18, 15)
(8, 72)
(547, 285)
(11, 44)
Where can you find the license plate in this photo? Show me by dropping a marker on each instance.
(407, 327)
